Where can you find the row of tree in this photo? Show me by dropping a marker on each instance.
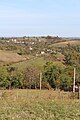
(53, 76)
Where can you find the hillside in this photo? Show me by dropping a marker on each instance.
(10, 57)
(23, 59)
(63, 44)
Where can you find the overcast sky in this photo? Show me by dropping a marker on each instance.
(40, 17)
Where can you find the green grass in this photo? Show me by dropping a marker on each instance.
(35, 62)
(38, 105)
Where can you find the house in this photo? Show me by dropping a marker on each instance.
(42, 52)
(30, 48)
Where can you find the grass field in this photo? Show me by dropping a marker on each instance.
(63, 44)
(38, 105)
(10, 57)
(34, 62)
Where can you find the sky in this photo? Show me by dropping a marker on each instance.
(40, 17)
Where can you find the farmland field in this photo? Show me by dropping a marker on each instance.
(38, 105)
(62, 44)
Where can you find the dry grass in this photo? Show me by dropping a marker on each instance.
(38, 105)
(62, 44)
(10, 57)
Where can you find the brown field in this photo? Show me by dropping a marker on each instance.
(62, 44)
(10, 57)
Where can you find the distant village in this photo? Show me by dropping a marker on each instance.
(38, 45)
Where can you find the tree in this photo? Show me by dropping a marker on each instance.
(57, 76)
(4, 82)
(51, 74)
(17, 80)
(65, 81)
(31, 77)
(72, 55)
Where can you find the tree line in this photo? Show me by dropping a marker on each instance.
(53, 76)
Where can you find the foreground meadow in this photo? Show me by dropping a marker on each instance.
(38, 105)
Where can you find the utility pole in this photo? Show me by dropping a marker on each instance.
(40, 80)
(74, 80)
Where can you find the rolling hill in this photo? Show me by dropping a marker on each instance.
(10, 57)
(63, 44)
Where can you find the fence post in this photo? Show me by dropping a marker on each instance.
(74, 82)
(40, 80)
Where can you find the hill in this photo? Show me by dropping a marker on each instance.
(63, 44)
(10, 57)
